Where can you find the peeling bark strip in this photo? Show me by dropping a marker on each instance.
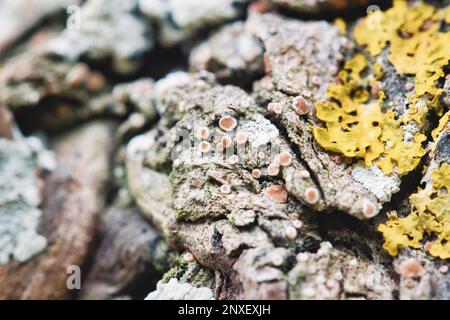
(73, 198)
(131, 256)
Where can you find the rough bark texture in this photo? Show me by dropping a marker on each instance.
(213, 179)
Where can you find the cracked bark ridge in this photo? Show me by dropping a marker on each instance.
(72, 200)
(130, 251)
(223, 227)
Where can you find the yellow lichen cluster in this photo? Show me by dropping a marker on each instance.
(430, 216)
(443, 123)
(358, 128)
(416, 45)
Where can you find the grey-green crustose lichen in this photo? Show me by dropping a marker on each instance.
(19, 199)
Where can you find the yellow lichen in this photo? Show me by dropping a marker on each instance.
(341, 25)
(430, 216)
(443, 122)
(416, 45)
(378, 70)
(358, 128)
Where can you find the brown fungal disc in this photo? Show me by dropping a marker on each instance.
(428, 245)
(411, 268)
(204, 146)
(227, 123)
(302, 106)
(256, 173)
(203, 133)
(369, 209)
(285, 159)
(277, 193)
(226, 142)
(278, 108)
(312, 195)
(376, 88)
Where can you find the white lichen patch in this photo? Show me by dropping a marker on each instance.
(19, 201)
(375, 181)
(174, 290)
(241, 218)
(261, 132)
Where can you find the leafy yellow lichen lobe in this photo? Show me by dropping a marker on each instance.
(444, 122)
(416, 44)
(378, 70)
(341, 25)
(358, 127)
(430, 216)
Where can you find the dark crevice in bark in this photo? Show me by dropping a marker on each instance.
(329, 15)
(296, 150)
(346, 232)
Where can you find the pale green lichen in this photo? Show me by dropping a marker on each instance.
(19, 202)
(173, 290)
